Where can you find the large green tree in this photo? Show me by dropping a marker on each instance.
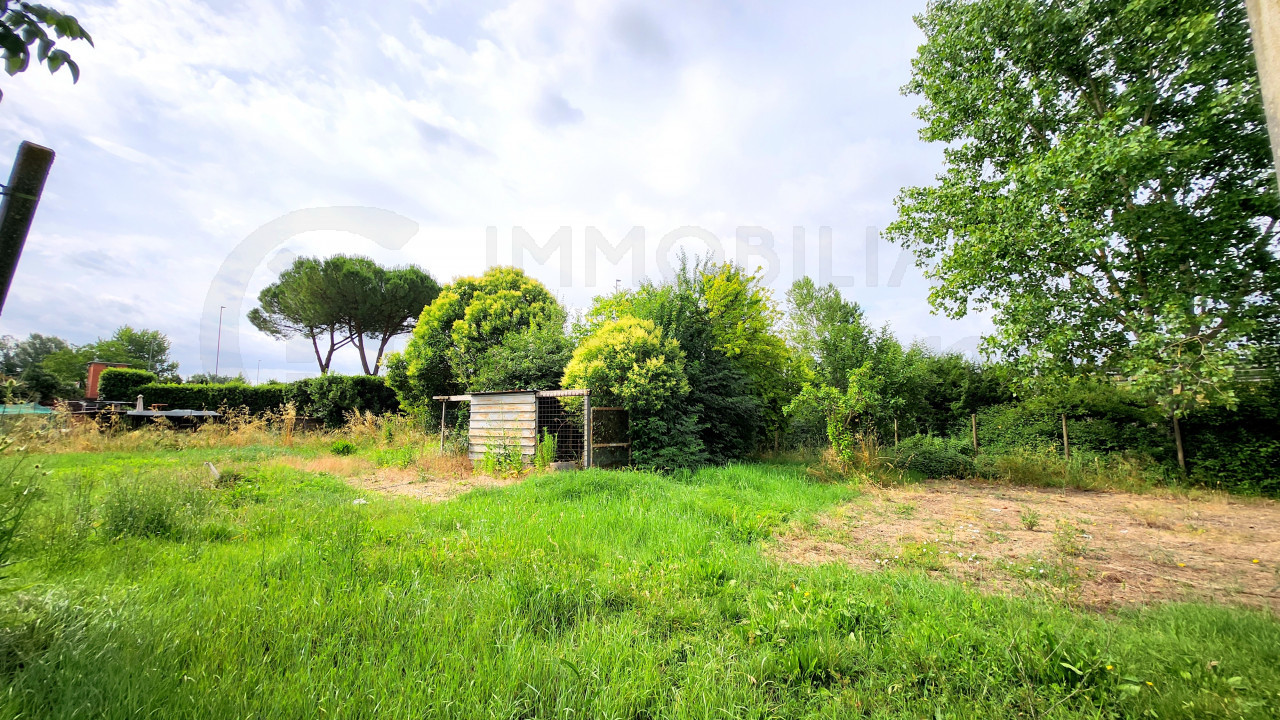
(1108, 194)
(471, 317)
(344, 300)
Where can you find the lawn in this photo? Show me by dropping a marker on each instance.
(148, 590)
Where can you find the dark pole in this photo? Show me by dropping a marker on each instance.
(18, 209)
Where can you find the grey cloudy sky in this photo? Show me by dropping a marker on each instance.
(200, 130)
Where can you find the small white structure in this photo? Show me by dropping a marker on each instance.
(515, 418)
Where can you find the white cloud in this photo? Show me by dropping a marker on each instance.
(196, 123)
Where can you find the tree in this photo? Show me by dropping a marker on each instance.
(376, 303)
(18, 355)
(1108, 194)
(152, 346)
(530, 359)
(723, 401)
(296, 305)
(830, 332)
(471, 317)
(629, 363)
(25, 24)
(343, 300)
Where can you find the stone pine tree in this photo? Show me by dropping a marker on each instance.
(344, 300)
(1108, 193)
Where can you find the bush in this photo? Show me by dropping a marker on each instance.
(342, 447)
(1101, 418)
(329, 397)
(123, 383)
(1237, 450)
(935, 458)
(332, 397)
(628, 363)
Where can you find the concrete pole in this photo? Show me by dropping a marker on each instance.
(1264, 21)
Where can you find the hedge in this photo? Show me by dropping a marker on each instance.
(329, 398)
(123, 383)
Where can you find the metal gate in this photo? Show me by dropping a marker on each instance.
(610, 437)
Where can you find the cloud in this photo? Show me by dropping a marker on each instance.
(195, 124)
(553, 110)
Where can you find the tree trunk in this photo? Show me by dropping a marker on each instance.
(1177, 440)
(382, 349)
(364, 361)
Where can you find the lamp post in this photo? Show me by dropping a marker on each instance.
(217, 355)
(258, 378)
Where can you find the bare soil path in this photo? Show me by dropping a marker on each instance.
(1091, 548)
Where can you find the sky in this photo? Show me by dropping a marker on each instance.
(208, 144)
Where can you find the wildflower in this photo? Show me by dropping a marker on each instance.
(359, 501)
(1182, 564)
(1255, 561)
(1108, 667)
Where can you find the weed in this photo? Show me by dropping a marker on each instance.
(545, 453)
(342, 447)
(1030, 518)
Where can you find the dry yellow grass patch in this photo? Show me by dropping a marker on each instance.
(1094, 548)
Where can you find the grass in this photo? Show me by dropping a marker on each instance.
(150, 590)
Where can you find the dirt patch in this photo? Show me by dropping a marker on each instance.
(413, 483)
(430, 478)
(1092, 548)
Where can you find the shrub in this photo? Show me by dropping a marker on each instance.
(934, 457)
(342, 447)
(629, 363)
(123, 383)
(545, 453)
(330, 397)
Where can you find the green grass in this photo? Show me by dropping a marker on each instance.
(573, 595)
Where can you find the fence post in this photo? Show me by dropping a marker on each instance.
(973, 420)
(586, 432)
(443, 404)
(895, 432)
(1066, 447)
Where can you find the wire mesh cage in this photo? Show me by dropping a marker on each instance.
(455, 423)
(562, 418)
(610, 437)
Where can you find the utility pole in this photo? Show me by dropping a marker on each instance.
(18, 209)
(257, 378)
(217, 356)
(1264, 21)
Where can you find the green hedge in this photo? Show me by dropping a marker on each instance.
(1237, 450)
(329, 398)
(123, 383)
(935, 458)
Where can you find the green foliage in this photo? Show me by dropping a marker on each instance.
(123, 383)
(530, 359)
(545, 453)
(935, 458)
(502, 458)
(343, 300)
(847, 413)
(342, 447)
(1109, 194)
(24, 24)
(1101, 417)
(330, 398)
(722, 409)
(629, 363)
(1237, 450)
(451, 344)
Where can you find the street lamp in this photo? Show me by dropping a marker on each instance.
(217, 356)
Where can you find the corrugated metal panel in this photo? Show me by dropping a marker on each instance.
(503, 417)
